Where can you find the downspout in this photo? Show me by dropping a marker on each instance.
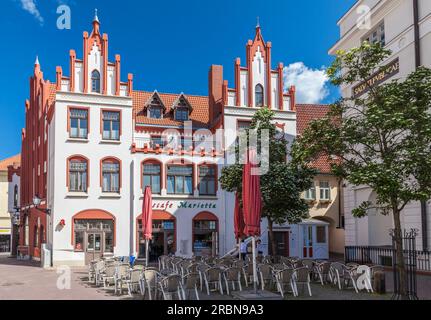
(418, 63)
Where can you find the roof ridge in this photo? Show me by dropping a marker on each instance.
(171, 94)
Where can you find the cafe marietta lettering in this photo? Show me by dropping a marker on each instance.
(184, 205)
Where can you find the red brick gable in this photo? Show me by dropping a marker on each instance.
(305, 114)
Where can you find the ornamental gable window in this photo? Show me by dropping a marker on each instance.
(259, 96)
(95, 81)
(155, 107)
(182, 109)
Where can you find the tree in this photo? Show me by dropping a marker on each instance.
(283, 183)
(383, 138)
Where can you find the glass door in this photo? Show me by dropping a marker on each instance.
(94, 248)
(308, 241)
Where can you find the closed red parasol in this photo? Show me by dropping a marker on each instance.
(238, 219)
(147, 219)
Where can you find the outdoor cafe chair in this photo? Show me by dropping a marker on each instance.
(201, 268)
(171, 286)
(121, 273)
(213, 276)
(92, 271)
(301, 276)
(266, 275)
(108, 277)
(322, 269)
(190, 283)
(339, 275)
(249, 275)
(283, 279)
(149, 282)
(231, 276)
(98, 272)
(192, 268)
(133, 280)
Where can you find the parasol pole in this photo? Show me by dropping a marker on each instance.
(146, 252)
(254, 265)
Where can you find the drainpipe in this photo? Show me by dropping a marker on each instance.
(424, 214)
(418, 61)
(340, 194)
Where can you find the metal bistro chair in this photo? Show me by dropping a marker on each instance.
(301, 276)
(121, 273)
(99, 268)
(283, 279)
(171, 285)
(338, 274)
(190, 283)
(108, 277)
(323, 272)
(201, 268)
(248, 274)
(266, 275)
(149, 281)
(132, 281)
(232, 275)
(213, 276)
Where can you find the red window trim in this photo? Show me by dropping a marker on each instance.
(181, 162)
(101, 120)
(88, 118)
(111, 160)
(77, 157)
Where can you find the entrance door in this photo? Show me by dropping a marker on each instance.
(307, 232)
(94, 248)
(281, 243)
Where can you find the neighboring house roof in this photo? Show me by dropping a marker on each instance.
(199, 114)
(305, 114)
(12, 161)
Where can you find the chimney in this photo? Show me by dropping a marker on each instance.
(215, 91)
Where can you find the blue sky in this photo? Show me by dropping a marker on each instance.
(167, 44)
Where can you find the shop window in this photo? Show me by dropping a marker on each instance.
(111, 125)
(152, 177)
(78, 123)
(204, 237)
(78, 175)
(180, 179)
(111, 176)
(207, 180)
(103, 227)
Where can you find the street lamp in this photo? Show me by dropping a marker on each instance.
(36, 203)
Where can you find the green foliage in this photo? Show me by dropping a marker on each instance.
(284, 182)
(382, 138)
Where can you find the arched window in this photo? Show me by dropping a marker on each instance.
(152, 176)
(111, 175)
(15, 196)
(95, 81)
(78, 174)
(259, 95)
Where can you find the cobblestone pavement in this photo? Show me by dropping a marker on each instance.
(22, 280)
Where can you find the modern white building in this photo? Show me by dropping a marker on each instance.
(404, 27)
(92, 143)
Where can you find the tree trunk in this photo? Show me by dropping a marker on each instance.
(272, 238)
(400, 255)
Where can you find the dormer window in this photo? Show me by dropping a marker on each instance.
(182, 114)
(155, 107)
(95, 81)
(155, 112)
(259, 96)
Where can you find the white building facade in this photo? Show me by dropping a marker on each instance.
(92, 143)
(404, 27)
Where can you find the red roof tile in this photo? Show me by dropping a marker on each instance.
(305, 114)
(199, 114)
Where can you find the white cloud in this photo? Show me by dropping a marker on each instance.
(30, 7)
(311, 84)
